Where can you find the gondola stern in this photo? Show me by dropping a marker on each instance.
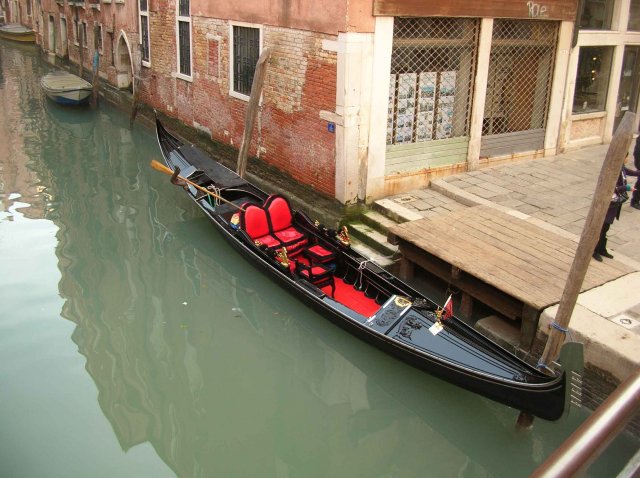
(571, 363)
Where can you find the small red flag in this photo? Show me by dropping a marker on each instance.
(447, 309)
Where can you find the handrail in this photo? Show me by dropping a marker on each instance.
(594, 435)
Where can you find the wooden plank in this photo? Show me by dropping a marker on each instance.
(485, 293)
(549, 10)
(438, 145)
(525, 261)
(559, 246)
(429, 154)
(472, 259)
(252, 110)
(555, 248)
(501, 144)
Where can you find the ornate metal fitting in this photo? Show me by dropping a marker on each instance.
(282, 257)
(402, 301)
(257, 243)
(235, 220)
(343, 236)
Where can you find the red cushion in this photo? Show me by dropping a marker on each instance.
(279, 212)
(315, 271)
(319, 252)
(267, 240)
(254, 221)
(289, 234)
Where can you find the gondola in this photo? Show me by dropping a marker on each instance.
(317, 265)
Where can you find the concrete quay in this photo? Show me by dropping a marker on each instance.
(554, 193)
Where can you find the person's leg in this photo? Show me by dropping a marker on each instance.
(602, 243)
(635, 197)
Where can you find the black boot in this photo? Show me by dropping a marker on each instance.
(605, 253)
(602, 248)
(635, 204)
(597, 256)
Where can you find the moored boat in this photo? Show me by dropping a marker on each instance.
(17, 32)
(66, 88)
(318, 265)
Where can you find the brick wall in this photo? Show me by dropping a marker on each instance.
(300, 82)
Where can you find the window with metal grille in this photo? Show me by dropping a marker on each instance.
(144, 30)
(433, 64)
(246, 51)
(520, 73)
(184, 38)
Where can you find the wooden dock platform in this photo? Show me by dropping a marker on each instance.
(515, 267)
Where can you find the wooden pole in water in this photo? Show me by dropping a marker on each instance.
(81, 44)
(609, 172)
(252, 110)
(95, 80)
(611, 167)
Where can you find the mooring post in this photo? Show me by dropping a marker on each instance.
(611, 167)
(95, 79)
(609, 172)
(252, 110)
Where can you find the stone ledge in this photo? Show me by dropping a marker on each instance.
(607, 346)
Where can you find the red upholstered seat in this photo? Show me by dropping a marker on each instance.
(254, 221)
(318, 275)
(281, 222)
(318, 253)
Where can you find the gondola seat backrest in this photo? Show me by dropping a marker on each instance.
(281, 222)
(254, 221)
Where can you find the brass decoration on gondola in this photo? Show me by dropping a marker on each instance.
(343, 236)
(257, 243)
(235, 220)
(282, 257)
(402, 301)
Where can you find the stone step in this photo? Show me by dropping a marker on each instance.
(383, 261)
(378, 221)
(395, 211)
(372, 238)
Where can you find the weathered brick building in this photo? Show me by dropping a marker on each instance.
(367, 98)
(211, 91)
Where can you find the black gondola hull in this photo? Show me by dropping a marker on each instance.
(534, 393)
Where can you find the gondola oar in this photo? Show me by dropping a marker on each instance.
(166, 170)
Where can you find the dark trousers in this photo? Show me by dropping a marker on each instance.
(602, 243)
(635, 197)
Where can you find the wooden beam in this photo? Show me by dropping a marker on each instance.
(534, 10)
(611, 167)
(252, 110)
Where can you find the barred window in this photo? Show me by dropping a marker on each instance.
(144, 31)
(184, 38)
(246, 51)
(520, 73)
(433, 63)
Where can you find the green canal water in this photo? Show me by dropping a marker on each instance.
(134, 342)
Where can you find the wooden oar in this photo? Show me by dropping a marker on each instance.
(166, 170)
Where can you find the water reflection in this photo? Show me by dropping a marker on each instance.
(195, 353)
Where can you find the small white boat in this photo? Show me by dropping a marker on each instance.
(66, 88)
(17, 32)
